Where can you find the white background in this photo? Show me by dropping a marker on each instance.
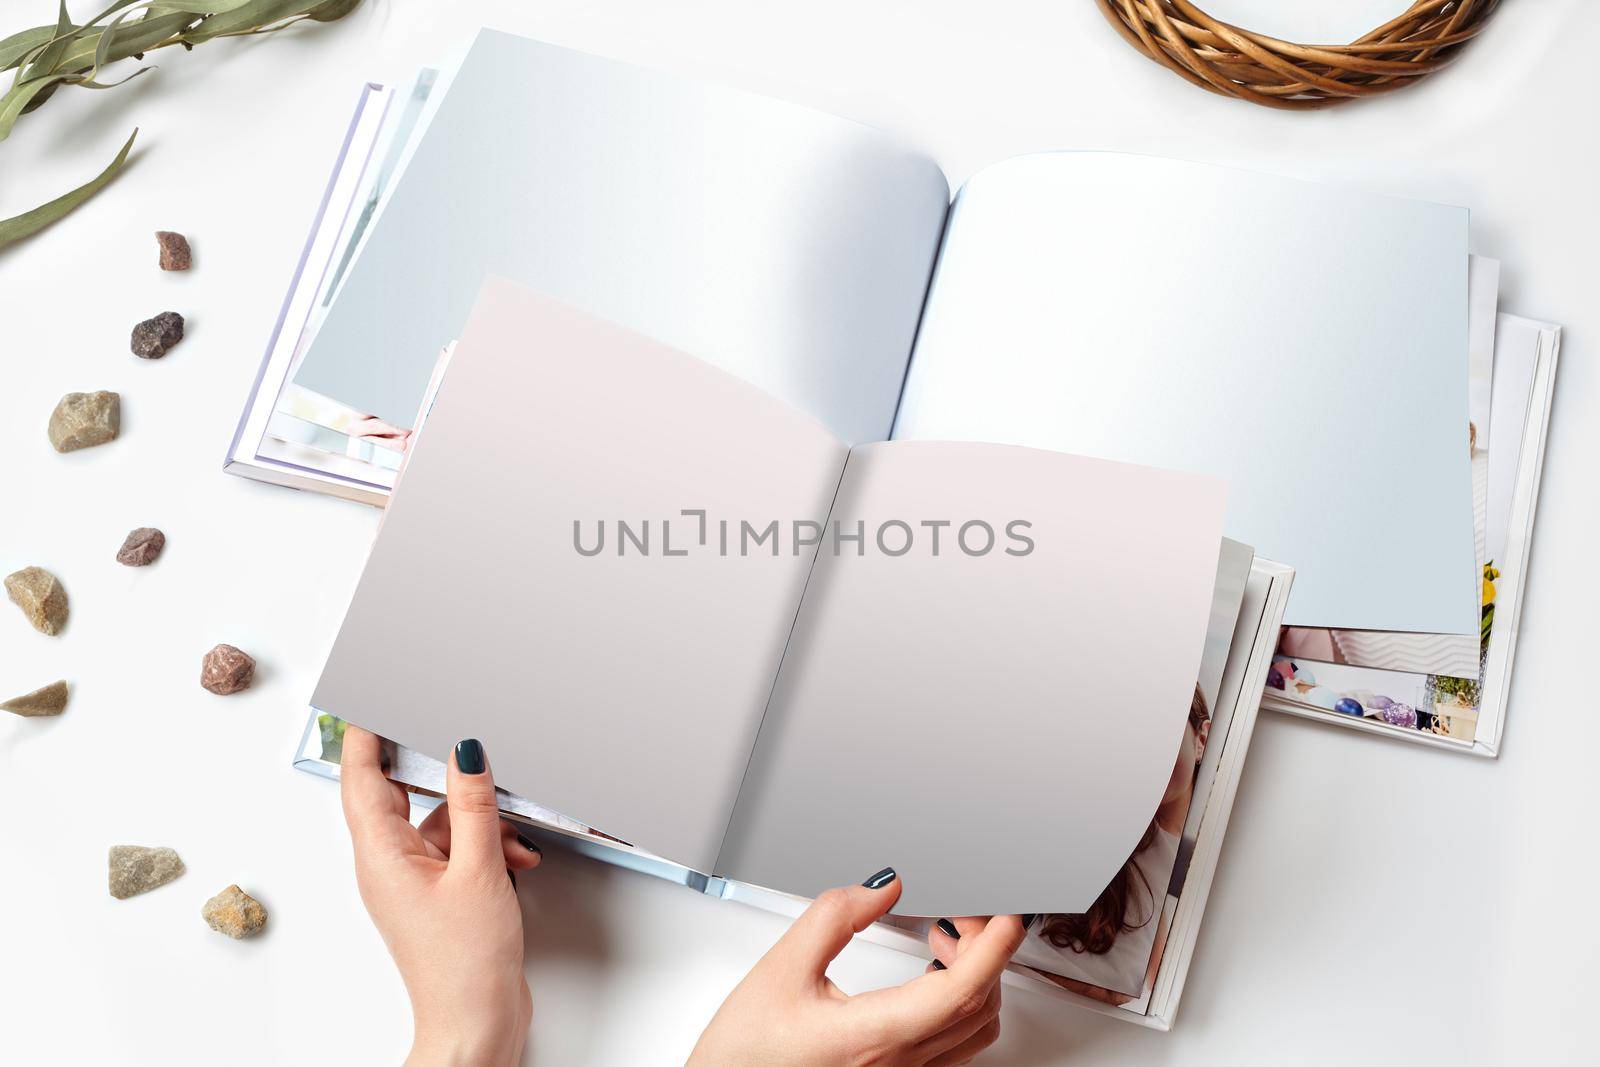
(1376, 903)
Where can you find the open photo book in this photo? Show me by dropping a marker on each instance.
(1324, 380)
(737, 474)
(834, 652)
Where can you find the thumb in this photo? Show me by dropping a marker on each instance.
(474, 810)
(826, 927)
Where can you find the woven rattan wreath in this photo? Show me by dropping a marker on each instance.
(1264, 70)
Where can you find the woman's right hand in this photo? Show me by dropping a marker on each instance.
(787, 1011)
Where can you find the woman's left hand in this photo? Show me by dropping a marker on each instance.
(440, 896)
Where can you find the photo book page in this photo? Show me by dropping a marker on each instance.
(800, 606)
(1107, 331)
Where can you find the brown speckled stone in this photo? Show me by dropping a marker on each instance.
(235, 913)
(40, 596)
(136, 869)
(152, 337)
(141, 547)
(227, 670)
(175, 254)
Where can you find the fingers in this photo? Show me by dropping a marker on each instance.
(942, 998)
(375, 809)
(962, 1032)
(520, 851)
(827, 926)
(985, 1036)
(474, 813)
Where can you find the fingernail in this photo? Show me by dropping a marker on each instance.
(513, 876)
(469, 756)
(938, 965)
(1027, 920)
(881, 879)
(528, 844)
(949, 928)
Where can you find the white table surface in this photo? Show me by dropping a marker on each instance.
(1376, 903)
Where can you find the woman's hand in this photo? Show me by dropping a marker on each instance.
(787, 1012)
(440, 896)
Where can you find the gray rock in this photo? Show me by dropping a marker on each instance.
(82, 420)
(152, 337)
(141, 547)
(175, 254)
(235, 913)
(136, 869)
(51, 700)
(226, 669)
(40, 596)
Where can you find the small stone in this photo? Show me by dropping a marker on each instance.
(83, 420)
(235, 913)
(227, 670)
(152, 337)
(141, 547)
(136, 869)
(40, 596)
(1349, 706)
(175, 253)
(51, 700)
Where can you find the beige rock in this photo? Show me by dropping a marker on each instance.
(235, 913)
(136, 869)
(51, 700)
(226, 669)
(40, 596)
(83, 420)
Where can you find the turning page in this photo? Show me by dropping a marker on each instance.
(986, 691)
(1306, 343)
(615, 671)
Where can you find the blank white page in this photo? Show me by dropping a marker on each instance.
(997, 727)
(1305, 342)
(622, 688)
(780, 244)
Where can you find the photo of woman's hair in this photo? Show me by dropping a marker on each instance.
(1107, 951)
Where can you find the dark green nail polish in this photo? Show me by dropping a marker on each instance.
(881, 879)
(938, 965)
(528, 844)
(949, 928)
(513, 876)
(469, 756)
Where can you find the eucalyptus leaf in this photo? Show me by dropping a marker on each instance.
(31, 222)
(18, 45)
(196, 7)
(102, 50)
(47, 59)
(90, 83)
(254, 15)
(132, 39)
(332, 10)
(18, 97)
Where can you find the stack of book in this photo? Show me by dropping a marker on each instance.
(770, 513)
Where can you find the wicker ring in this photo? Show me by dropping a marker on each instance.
(1264, 70)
